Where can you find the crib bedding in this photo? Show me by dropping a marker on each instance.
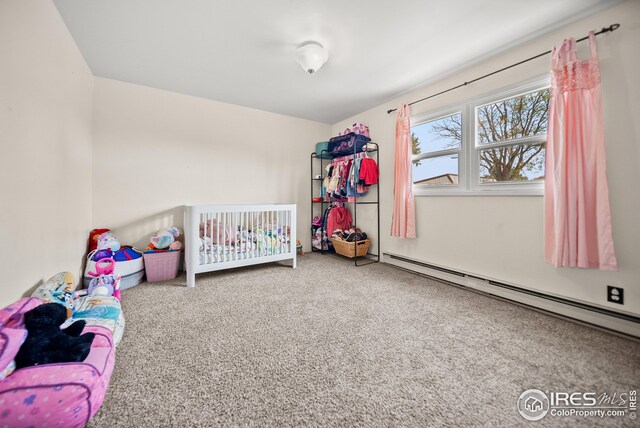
(244, 244)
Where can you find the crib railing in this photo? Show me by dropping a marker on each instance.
(224, 236)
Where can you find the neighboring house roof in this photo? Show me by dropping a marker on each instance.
(439, 179)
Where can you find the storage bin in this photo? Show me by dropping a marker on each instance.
(323, 145)
(348, 144)
(162, 266)
(131, 271)
(346, 249)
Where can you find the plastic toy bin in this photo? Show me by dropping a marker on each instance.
(162, 266)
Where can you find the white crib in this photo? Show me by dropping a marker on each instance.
(226, 236)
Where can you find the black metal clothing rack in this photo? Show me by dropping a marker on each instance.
(326, 155)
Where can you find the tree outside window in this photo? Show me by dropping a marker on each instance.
(510, 137)
(415, 148)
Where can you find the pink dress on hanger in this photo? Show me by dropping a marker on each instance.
(577, 214)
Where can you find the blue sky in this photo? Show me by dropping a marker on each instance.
(430, 142)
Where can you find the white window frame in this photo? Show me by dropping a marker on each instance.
(462, 157)
(469, 160)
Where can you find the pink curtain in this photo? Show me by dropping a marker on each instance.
(577, 214)
(403, 223)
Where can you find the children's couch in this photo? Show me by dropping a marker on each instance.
(65, 394)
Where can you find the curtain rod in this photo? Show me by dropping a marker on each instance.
(610, 28)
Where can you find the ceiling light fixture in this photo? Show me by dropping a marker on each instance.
(311, 56)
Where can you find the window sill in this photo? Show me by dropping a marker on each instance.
(466, 193)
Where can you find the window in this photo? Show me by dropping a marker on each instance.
(504, 143)
(436, 153)
(510, 138)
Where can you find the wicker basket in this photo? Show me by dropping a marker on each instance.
(347, 249)
(161, 266)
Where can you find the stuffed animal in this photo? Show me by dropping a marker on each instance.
(107, 241)
(165, 238)
(46, 343)
(218, 232)
(94, 235)
(105, 285)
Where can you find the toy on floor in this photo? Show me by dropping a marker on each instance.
(104, 282)
(165, 239)
(64, 394)
(94, 235)
(46, 343)
(104, 267)
(107, 241)
(127, 264)
(299, 248)
(105, 285)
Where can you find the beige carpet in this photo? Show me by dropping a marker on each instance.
(329, 344)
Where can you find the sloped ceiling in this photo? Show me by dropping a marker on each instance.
(241, 52)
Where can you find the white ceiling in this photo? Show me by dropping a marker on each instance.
(241, 51)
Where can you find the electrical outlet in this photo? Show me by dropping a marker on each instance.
(615, 294)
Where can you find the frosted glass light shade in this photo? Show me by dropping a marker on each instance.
(311, 56)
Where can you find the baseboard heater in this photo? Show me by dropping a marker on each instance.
(596, 316)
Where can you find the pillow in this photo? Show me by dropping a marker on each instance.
(58, 289)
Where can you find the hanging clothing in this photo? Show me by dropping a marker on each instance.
(577, 214)
(338, 218)
(352, 191)
(403, 223)
(342, 180)
(334, 183)
(369, 171)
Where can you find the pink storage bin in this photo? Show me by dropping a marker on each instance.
(162, 266)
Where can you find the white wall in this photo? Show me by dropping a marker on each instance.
(45, 141)
(156, 150)
(502, 237)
